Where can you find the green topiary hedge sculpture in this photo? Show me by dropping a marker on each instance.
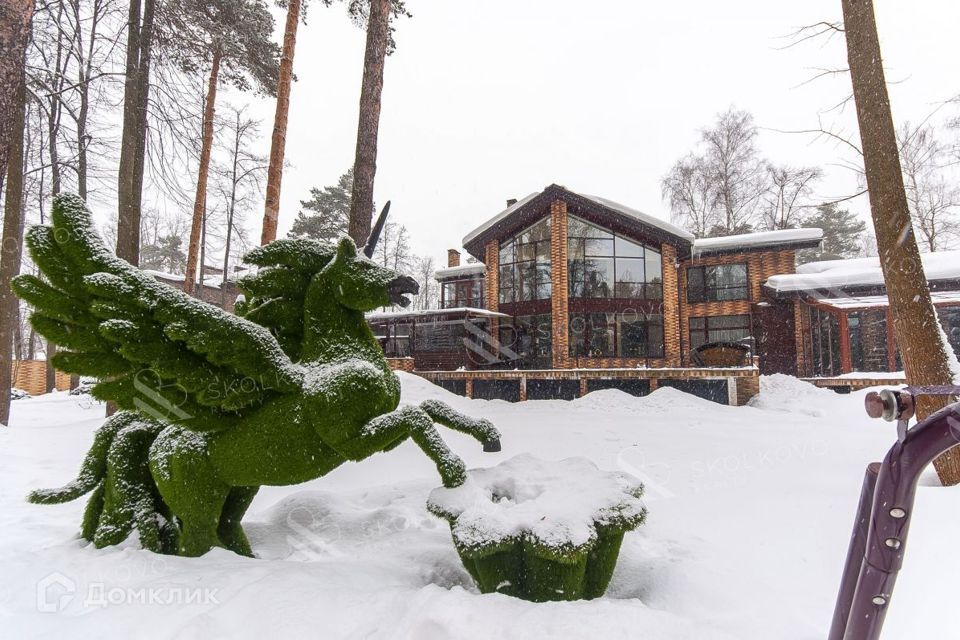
(217, 405)
(541, 530)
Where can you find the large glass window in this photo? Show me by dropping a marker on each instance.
(439, 335)
(704, 330)
(868, 340)
(602, 264)
(616, 335)
(717, 282)
(825, 342)
(531, 339)
(394, 338)
(462, 293)
(525, 265)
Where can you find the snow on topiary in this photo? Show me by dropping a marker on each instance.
(216, 405)
(541, 530)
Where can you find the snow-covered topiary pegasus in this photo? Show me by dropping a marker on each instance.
(216, 405)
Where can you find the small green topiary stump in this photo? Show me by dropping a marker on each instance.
(541, 530)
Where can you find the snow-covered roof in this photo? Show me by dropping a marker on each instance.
(624, 210)
(211, 282)
(462, 270)
(756, 240)
(828, 274)
(630, 212)
(393, 315)
(871, 302)
(499, 217)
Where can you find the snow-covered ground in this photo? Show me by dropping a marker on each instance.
(750, 513)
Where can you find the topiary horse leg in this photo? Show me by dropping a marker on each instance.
(449, 465)
(91, 514)
(384, 431)
(189, 484)
(230, 530)
(481, 430)
(129, 497)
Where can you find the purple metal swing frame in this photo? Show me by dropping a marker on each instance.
(880, 530)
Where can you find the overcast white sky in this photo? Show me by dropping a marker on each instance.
(489, 100)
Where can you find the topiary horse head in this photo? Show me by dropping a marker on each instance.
(218, 405)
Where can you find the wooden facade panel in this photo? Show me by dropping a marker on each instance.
(31, 376)
(776, 337)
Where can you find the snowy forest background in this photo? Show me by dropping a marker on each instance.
(726, 183)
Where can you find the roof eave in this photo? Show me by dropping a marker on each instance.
(773, 246)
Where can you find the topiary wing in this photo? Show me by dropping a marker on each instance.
(274, 296)
(154, 348)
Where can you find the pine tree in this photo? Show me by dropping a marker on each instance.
(141, 23)
(166, 255)
(842, 233)
(915, 325)
(376, 15)
(233, 38)
(327, 212)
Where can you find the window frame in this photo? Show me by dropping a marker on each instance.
(467, 292)
(578, 250)
(612, 328)
(710, 293)
(707, 329)
(542, 271)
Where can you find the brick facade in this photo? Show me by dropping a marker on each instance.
(491, 288)
(401, 364)
(559, 285)
(675, 309)
(672, 334)
(761, 265)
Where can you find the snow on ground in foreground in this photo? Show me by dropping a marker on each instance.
(750, 514)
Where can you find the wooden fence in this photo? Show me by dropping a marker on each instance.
(31, 376)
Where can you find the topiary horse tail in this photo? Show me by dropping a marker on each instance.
(125, 496)
(94, 467)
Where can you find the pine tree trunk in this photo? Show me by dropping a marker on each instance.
(271, 209)
(200, 200)
(50, 373)
(203, 253)
(11, 249)
(231, 208)
(53, 134)
(365, 164)
(15, 20)
(915, 321)
(133, 137)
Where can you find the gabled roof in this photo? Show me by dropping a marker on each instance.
(522, 212)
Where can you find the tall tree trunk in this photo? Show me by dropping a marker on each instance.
(11, 250)
(134, 134)
(200, 200)
(15, 19)
(203, 253)
(53, 151)
(914, 319)
(271, 208)
(365, 164)
(231, 208)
